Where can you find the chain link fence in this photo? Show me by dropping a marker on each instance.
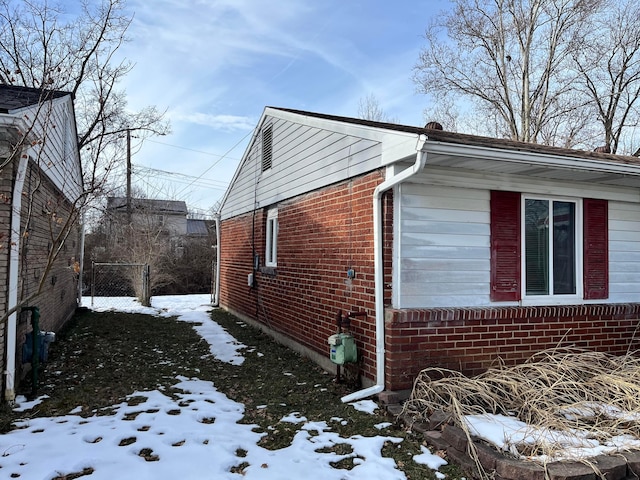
(120, 284)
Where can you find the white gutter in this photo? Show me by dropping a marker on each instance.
(216, 294)
(378, 266)
(14, 264)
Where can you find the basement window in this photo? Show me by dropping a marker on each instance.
(267, 147)
(271, 253)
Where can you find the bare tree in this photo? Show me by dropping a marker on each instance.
(608, 64)
(369, 109)
(510, 58)
(43, 46)
(53, 51)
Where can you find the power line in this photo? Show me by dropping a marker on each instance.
(191, 149)
(182, 178)
(219, 160)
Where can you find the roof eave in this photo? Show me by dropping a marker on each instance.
(546, 160)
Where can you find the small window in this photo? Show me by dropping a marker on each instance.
(271, 254)
(551, 247)
(267, 147)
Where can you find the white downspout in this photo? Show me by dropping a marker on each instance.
(81, 262)
(216, 295)
(378, 266)
(14, 264)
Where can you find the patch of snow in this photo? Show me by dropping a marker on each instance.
(383, 425)
(431, 460)
(22, 404)
(294, 417)
(366, 406)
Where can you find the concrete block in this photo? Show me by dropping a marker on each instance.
(434, 438)
(633, 463)
(438, 418)
(488, 456)
(570, 471)
(388, 397)
(455, 437)
(518, 469)
(611, 467)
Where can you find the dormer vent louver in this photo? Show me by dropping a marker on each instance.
(267, 147)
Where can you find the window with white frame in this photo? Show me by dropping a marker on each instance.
(271, 254)
(552, 239)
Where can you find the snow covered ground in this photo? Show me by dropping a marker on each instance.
(194, 436)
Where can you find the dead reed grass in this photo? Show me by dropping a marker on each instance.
(583, 395)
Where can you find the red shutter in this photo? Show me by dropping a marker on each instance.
(505, 246)
(596, 249)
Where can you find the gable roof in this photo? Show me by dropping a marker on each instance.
(15, 97)
(437, 135)
(346, 147)
(175, 207)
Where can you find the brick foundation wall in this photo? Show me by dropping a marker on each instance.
(470, 340)
(321, 235)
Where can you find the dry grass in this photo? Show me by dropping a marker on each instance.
(583, 394)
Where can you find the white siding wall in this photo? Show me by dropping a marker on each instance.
(442, 244)
(624, 252)
(306, 157)
(443, 247)
(57, 154)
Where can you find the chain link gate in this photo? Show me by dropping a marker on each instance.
(120, 283)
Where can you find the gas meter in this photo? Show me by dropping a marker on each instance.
(342, 348)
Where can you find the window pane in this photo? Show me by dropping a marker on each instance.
(564, 258)
(537, 247)
(270, 238)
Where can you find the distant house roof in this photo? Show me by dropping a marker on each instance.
(176, 207)
(196, 227)
(13, 97)
(435, 135)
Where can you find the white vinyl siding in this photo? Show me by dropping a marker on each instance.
(442, 239)
(305, 158)
(624, 252)
(443, 244)
(57, 155)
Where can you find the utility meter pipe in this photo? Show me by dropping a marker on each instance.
(35, 347)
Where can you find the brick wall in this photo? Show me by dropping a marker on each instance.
(471, 340)
(321, 236)
(44, 211)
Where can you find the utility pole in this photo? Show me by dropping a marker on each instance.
(129, 176)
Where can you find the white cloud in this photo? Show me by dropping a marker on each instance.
(217, 121)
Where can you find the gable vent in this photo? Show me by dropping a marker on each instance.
(267, 147)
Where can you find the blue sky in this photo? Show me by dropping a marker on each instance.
(215, 64)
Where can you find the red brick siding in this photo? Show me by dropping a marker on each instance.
(471, 340)
(321, 235)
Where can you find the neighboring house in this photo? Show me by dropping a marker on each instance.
(197, 227)
(169, 216)
(40, 182)
(460, 249)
